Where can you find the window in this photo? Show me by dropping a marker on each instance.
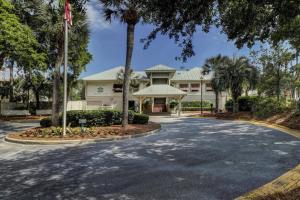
(209, 87)
(159, 81)
(118, 88)
(195, 87)
(184, 87)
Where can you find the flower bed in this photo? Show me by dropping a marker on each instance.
(55, 133)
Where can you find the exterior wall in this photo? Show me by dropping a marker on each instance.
(100, 93)
(206, 95)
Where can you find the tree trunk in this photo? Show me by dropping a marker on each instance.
(130, 42)
(55, 93)
(278, 84)
(217, 101)
(11, 81)
(235, 105)
(37, 99)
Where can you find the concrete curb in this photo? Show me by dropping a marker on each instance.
(78, 141)
(285, 183)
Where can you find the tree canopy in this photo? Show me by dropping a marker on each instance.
(17, 40)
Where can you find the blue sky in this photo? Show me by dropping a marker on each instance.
(108, 45)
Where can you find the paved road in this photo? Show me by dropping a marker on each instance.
(189, 159)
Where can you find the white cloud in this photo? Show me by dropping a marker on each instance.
(95, 18)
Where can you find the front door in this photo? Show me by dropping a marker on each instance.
(159, 105)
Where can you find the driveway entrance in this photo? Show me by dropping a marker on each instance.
(189, 159)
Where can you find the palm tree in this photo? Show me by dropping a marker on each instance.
(239, 72)
(50, 30)
(127, 12)
(217, 65)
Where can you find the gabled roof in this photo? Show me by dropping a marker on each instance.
(111, 75)
(193, 74)
(159, 90)
(160, 68)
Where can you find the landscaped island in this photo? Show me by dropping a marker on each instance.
(96, 124)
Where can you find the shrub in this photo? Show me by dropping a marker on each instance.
(195, 109)
(140, 119)
(246, 103)
(173, 104)
(229, 105)
(46, 122)
(97, 117)
(267, 106)
(205, 104)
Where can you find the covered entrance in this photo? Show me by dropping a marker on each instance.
(160, 105)
(158, 95)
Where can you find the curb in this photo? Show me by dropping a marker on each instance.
(284, 183)
(78, 141)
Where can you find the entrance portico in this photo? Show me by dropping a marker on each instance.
(159, 95)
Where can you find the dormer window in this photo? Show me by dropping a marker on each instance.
(118, 88)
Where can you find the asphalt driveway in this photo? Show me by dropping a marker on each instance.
(188, 159)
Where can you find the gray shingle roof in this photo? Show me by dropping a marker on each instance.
(111, 74)
(159, 90)
(193, 74)
(160, 68)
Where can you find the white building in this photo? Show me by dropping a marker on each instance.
(157, 87)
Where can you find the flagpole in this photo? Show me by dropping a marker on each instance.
(65, 79)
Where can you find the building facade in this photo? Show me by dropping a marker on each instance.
(152, 90)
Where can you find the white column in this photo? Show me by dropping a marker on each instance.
(141, 102)
(179, 106)
(152, 106)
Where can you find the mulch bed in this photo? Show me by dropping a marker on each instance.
(113, 131)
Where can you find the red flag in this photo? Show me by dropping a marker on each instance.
(68, 15)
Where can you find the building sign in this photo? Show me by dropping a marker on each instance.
(100, 89)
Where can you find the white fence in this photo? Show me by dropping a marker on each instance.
(82, 105)
(13, 109)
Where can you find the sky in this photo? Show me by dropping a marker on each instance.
(108, 46)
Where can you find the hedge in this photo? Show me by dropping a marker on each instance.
(140, 118)
(229, 105)
(247, 103)
(98, 118)
(195, 109)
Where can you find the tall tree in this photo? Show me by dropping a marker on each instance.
(46, 19)
(127, 12)
(18, 44)
(216, 65)
(275, 73)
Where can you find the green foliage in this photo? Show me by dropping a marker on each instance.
(17, 41)
(229, 105)
(276, 76)
(196, 109)
(97, 118)
(173, 104)
(246, 103)
(46, 122)
(196, 104)
(140, 119)
(267, 106)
